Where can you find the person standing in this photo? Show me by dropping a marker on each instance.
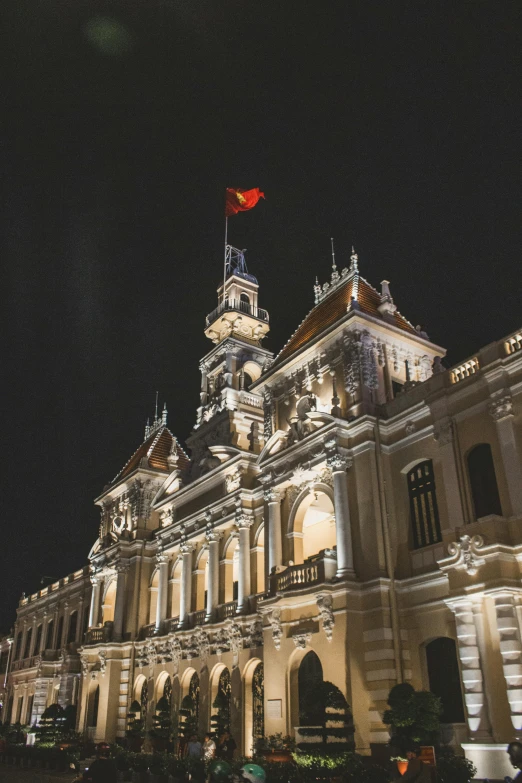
(226, 747)
(208, 749)
(193, 750)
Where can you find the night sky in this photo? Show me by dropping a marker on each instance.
(392, 125)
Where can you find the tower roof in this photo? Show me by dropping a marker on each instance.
(351, 292)
(155, 449)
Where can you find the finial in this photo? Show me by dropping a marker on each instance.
(354, 261)
(156, 410)
(335, 274)
(147, 429)
(164, 414)
(317, 290)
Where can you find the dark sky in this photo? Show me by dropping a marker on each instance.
(393, 125)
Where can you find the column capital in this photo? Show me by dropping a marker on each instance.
(244, 520)
(213, 536)
(162, 558)
(273, 495)
(338, 463)
(186, 549)
(121, 567)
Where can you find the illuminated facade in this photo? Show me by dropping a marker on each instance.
(350, 499)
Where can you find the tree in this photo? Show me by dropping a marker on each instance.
(220, 720)
(52, 727)
(135, 725)
(413, 717)
(188, 713)
(326, 713)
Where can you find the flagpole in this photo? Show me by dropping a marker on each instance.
(225, 257)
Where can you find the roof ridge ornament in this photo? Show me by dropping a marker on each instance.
(337, 279)
(158, 421)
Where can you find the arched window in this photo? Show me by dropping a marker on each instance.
(73, 622)
(49, 635)
(144, 699)
(444, 678)
(244, 298)
(189, 710)
(258, 704)
(220, 719)
(423, 505)
(483, 481)
(18, 646)
(38, 639)
(59, 635)
(28, 638)
(310, 679)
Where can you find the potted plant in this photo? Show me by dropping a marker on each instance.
(140, 765)
(161, 731)
(414, 719)
(402, 763)
(276, 747)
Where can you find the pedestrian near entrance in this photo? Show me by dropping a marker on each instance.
(514, 751)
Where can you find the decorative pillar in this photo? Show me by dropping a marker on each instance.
(186, 583)
(343, 529)
(244, 522)
(163, 582)
(501, 410)
(470, 639)
(203, 395)
(213, 537)
(94, 614)
(119, 603)
(275, 549)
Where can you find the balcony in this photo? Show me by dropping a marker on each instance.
(99, 635)
(315, 570)
(236, 305)
(227, 610)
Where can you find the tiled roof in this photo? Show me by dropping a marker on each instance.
(155, 449)
(334, 307)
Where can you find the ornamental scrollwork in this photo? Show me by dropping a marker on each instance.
(325, 606)
(465, 550)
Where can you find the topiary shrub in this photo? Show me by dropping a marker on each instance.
(454, 769)
(413, 717)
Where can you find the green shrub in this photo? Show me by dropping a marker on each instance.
(413, 717)
(454, 769)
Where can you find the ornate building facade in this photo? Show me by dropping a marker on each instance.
(350, 507)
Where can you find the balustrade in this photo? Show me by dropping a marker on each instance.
(317, 569)
(470, 367)
(240, 306)
(227, 610)
(514, 343)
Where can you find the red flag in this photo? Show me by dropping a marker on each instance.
(241, 200)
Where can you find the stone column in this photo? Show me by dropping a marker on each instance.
(163, 583)
(119, 602)
(244, 522)
(275, 548)
(43, 637)
(501, 410)
(213, 537)
(343, 528)
(94, 615)
(186, 583)
(203, 395)
(470, 639)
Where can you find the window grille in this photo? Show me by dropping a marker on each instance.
(423, 505)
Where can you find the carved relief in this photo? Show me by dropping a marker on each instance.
(501, 407)
(302, 639)
(325, 606)
(468, 558)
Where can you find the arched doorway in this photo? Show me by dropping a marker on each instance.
(444, 678)
(253, 705)
(312, 526)
(189, 709)
(310, 680)
(109, 599)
